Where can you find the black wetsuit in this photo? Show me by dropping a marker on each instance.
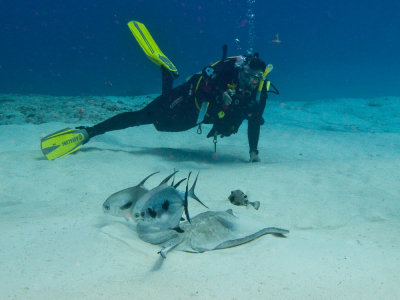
(177, 109)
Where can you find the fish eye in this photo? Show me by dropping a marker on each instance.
(137, 215)
(106, 207)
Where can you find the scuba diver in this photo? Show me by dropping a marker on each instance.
(223, 94)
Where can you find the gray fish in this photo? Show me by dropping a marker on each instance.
(163, 206)
(210, 230)
(237, 197)
(120, 203)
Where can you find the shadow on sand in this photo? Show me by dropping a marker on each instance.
(178, 155)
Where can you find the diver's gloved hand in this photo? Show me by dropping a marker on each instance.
(254, 156)
(227, 97)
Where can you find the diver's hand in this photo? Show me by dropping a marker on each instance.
(254, 156)
(227, 97)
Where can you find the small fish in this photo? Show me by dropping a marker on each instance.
(237, 197)
(120, 203)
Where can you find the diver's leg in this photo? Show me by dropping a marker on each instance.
(147, 115)
(167, 80)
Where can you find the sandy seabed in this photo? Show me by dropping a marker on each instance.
(330, 173)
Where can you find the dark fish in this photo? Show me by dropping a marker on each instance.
(237, 197)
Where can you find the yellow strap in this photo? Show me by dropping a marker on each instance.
(267, 70)
(268, 85)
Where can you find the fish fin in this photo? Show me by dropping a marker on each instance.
(179, 182)
(168, 178)
(230, 211)
(126, 206)
(185, 202)
(178, 229)
(144, 180)
(192, 194)
(173, 179)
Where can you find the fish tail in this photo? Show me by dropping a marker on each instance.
(256, 204)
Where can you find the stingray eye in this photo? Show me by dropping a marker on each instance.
(106, 207)
(137, 215)
(245, 196)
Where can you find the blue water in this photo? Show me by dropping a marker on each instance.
(329, 49)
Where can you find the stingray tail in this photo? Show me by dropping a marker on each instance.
(171, 244)
(270, 230)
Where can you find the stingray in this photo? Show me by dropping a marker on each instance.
(210, 230)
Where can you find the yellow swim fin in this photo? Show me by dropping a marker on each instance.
(63, 142)
(150, 48)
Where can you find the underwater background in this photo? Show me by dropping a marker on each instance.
(324, 49)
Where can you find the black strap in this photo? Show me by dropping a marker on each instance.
(275, 91)
(224, 52)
